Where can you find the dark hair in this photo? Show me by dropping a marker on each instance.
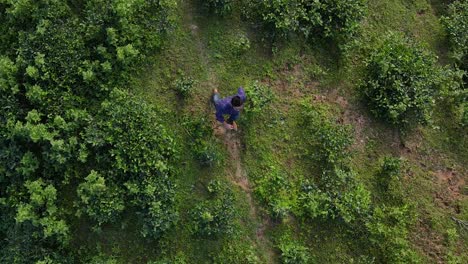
(236, 101)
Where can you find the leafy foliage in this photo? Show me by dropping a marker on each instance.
(293, 252)
(42, 211)
(336, 195)
(201, 140)
(33, 227)
(214, 187)
(390, 180)
(454, 93)
(215, 217)
(387, 226)
(154, 199)
(234, 253)
(130, 144)
(128, 137)
(184, 85)
(275, 190)
(101, 202)
(400, 82)
(58, 61)
(220, 7)
(388, 229)
(328, 18)
(456, 24)
(240, 44)
(328, 142)
(259, 97)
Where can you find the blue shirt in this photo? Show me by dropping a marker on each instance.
(224, 107)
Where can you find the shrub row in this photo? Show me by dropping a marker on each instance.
(64, 125)
(328, 18)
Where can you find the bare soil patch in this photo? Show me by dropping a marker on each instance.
(429, 242)
(451, 185)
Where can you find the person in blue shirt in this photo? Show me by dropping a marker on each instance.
(231, 105)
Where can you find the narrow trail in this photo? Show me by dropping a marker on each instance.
(237, 175)
(240, 179)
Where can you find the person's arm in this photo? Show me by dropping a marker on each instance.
(241, 93)
(233, 117)
(219, 115)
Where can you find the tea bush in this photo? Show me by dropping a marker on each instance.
(274, 189)
(127, 138)
(328, 18)
(220, 7)
(389, 180)
(293, 252)
(101, 202)
(456, 25)
(456, 84)
(239, 252)
(154, 201)
(59, 64)
(388, 234)
(201, 140)
(336, 194)
(215, 217)
(259, 96)
(327, 142)
(240, 44)
(454, 94)
(184, 85)
(42, 212)
(214, 187)
(400, 82)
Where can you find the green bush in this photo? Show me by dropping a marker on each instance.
(313, 202)
(327, 18)
(327, 142)
(456, 25)
(274, 189)
(240, 44)
(214, 187)
(42, 211)
(259, 97)
(128, 137)
(292, 252)
(215, 217)
(400, 82)
(220, 7)
(130, 145)
(456, 81)
(59, 61)
(154, 200)
(336, 194)
(236, 252)
(101, 201)
(184, 86)
(201, 140)
(454, 94)
(389, 179)
(388, 234)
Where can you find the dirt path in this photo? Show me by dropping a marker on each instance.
(235, 171)
(238, 176)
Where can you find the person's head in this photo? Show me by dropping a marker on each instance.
(236, 102)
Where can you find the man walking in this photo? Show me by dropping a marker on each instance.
(231, 105)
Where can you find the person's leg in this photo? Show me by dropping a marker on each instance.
(215, 97)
